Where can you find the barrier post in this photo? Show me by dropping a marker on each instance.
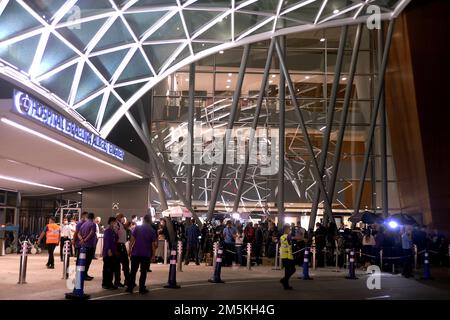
(415, 257)
(306, 265)
(218, 268)
(180, 256)
(165, 252)
(78, 290)
(66, 260)
(351, 266)
(23, 264)
(381, 260)
(172, 282)
(336, 253)
(277, 265)
(249, 256)
(215, 248)
(426, 266)
(314, 258)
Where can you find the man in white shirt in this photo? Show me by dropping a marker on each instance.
(65, 236)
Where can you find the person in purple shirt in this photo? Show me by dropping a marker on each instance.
(88, 238)
(143, 244)
(75, 239)
(110, 261)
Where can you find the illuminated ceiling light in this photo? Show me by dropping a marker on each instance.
(221, 51)
(228, 87)
(80, 192)
(230, 74)
(336, 11)
(322, 40)
(66, 146)
(344, 78)
(270, 81)
(323, 128)
(187, 79)
(307, 77)
(274, 76)
(31, 183)
(229, 80)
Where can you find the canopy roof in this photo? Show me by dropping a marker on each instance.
(95, 59)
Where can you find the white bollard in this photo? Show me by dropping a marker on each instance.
(415, 257)
(381, 259)
(23, 264)
(215, 249)
(66, 260)
(277, 265)
(314, 258)
(249, 256)
(180, 256)
(165, 252)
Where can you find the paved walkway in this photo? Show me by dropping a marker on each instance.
(46, 284)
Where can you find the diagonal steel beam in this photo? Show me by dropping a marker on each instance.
(161, 165)
(315, 167)
(234, 107)
(329, 124)
(251, 138)
(154, 169)
(373, 120)
(344, 114)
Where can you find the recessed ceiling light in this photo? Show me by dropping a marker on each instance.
(187, 79)
(307, 77)
(228, 80)
(336, 11)
(29, 183)
(228, 87)
(270, 81)
(344, 78)
(203, 44)
(274, 75)
(221, 51)
(322, 40)
(230, 74)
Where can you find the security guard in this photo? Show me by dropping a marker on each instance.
(286, 256)
(52, 233)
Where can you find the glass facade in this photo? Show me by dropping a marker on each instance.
(311, 64)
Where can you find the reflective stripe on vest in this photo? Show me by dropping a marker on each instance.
(53, 232)
(286, 249)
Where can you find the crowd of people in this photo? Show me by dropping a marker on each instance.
(129, 245)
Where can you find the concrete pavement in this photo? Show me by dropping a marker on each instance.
(259, 283)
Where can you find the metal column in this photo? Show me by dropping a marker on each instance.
(190, 141)
(316, 171)
(344, 114)
(281, 135)
(384, 167)
(329, 124)
(234, 107)
(373, 121)
(251, 138)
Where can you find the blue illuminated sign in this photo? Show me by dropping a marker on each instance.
(31, 108)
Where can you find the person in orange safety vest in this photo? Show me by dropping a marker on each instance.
(52, 233)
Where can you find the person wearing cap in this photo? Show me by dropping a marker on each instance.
(143, 244)
(52, 233)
